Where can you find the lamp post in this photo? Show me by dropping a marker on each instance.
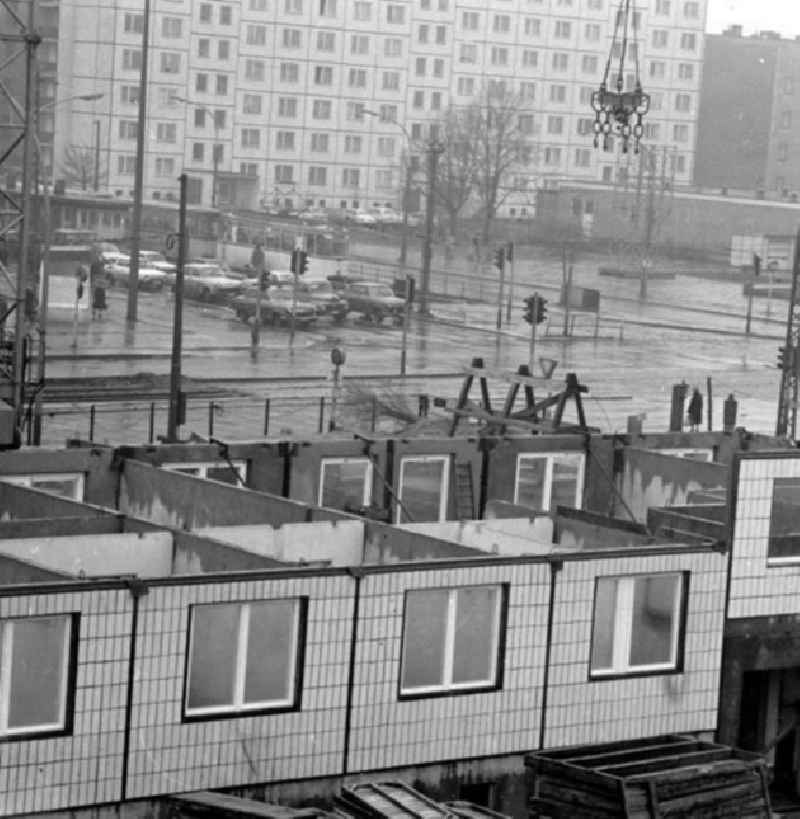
(45, 263)
(214, 148)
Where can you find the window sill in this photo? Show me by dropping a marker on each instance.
(775, 562)
(624, 675)
(47, 732)
(405, 696)
(209, 716)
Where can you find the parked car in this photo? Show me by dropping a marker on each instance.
(209, 282)
(321, 294)
(316, 216)
(278, 304)
(387, 216)
(150, 278)
(375, 301)
(363, 217)
(339, 281)
(157, 261)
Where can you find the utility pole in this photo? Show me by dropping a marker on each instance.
(511, 264)
(406, 308)
(404, 234)
(434, 149)
(96, 155)
(786, 427)
(532, 347)
(175, 395)
(136, 220)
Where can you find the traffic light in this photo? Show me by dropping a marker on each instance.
(299, 263)
(303, 262)
(500, 257)
(541, 310)
(786, 359)
(510, 251)
(263, 280)
(756, 264)
(530, 307)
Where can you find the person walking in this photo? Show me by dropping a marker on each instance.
(696, 410)
(258, 261)
(97, 272)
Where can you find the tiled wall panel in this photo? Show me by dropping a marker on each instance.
(386, 732)
(580, 711)
(84, 768)
(167, 755)
(759, 590)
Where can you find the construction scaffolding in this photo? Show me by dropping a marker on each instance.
(19, 262)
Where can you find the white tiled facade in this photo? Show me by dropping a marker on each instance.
(287, 78)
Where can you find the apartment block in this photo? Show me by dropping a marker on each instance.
(324, 102)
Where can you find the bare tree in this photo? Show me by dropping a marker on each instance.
(457, 166)
(78, 166)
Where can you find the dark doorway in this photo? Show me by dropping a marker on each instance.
(479, 793)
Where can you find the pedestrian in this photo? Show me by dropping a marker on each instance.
(258, 261)
(696, 410)
(97, 272)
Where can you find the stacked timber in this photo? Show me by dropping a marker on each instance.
(668, 776)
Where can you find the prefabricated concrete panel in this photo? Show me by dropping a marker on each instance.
(504, 536)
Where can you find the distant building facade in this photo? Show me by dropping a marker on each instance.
(300, 102)
(749, 110)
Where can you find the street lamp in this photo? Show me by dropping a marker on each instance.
(215, 153)
(48, 233)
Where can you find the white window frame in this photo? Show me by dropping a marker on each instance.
(444, 486)
(6, 652)
(623, 627)
(202, 467)
(547, 489)
(78, 479)
(238, 705)
(366, 498)
(447, 685)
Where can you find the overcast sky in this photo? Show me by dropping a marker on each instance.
(755, 15)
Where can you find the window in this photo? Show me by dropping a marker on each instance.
(546, 481)
(289, 72)
(436, 101)
(251, 104)
(663, 6)
(470, 20)
(560, 61)
(354, 110)
(391, 81)
(422, 34)
(468, 53)
(418, 100)
(127, 129)
(319, 142)
(222, 85)
(36, 674)
(362, 10)
(326, 41)
(555, 125)
(651, 130)
(256, 35)
(558, 93)
(530, 58)
(327, 8)
(165, 166)
(131, 59)
(323, 75)
(248, 169)
(658, 69)
(205, 12)
(533, 26)
(660, 37)
(251, 137)
(419, 66)
(424, 489)
(501, 24)
(171, 27)
(166, 132)
(134, 23)
(284, 173)
(680, 133)
(66, 484)
(321, 109)
(589, 63)
(392, 47)
(466, 86)
(198, 152)
(528, 90)
(287, 107)
(525, 123)
(386, 146)
(244, 657)
(592, 31)
(688, 41)
(691, 10)
(683, 102)
(346, 483)
(204, 48)
(292, 38)
(388, 113)
(225, 15)
(129, 94)
(126, 165)
(352, 145)
(359, 44)
(284, 140)
(563, 29)
(784, 520)
(255, 70)
(293, 6)
(317, 175)
(637, 624)
(357, 78)
(395, 14)
(499, 56)
(441, 35)
(452, 640)
(583, 157)
(351, 178)
(258, 5)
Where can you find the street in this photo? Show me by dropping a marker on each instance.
(689, 328)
